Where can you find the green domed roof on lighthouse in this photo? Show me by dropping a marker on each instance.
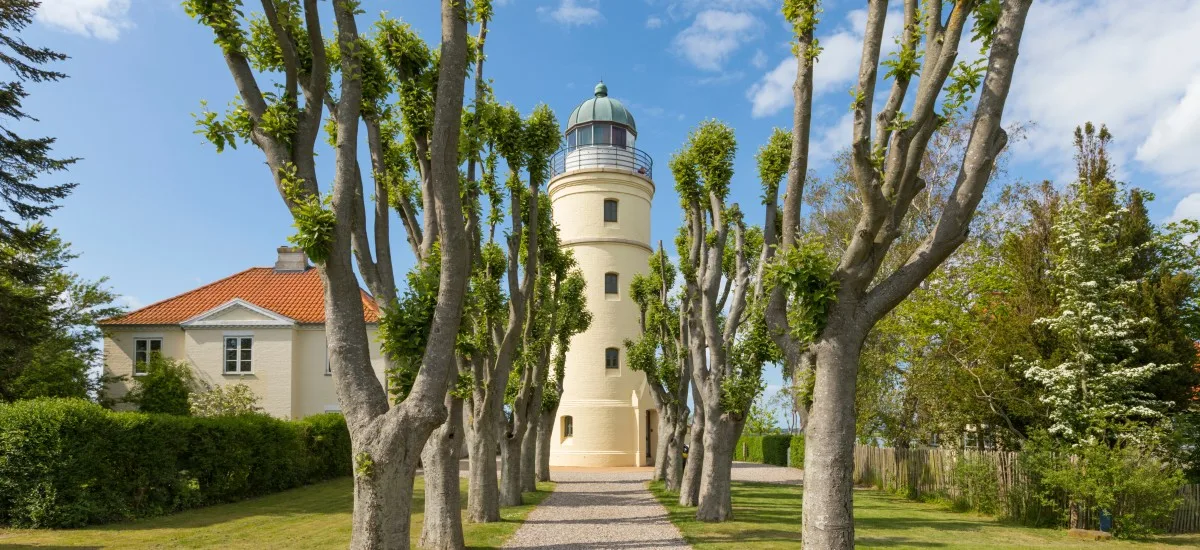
(601, 108)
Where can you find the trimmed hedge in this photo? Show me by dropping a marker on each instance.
(70, 462)
(796, 458)
(765, 449)
(771, 449)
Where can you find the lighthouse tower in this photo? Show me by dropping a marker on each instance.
(601, 186)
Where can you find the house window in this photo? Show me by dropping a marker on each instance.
(610, 283)
(143, 350)
(610, 210)
(237, 354)
(618, 137)
(612, 358)
(568, 427)
(328, 367)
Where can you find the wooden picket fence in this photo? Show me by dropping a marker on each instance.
(922, 473)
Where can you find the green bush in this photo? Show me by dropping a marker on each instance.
(975, 484)
(1135, 486)
(165, 388)
(749, 449)
(796, 457)
(775, 449)
(69, 462)
(763, 449)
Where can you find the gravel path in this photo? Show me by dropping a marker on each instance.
(599, 510)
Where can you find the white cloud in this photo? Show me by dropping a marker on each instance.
(129, 301)
(714, 36)
(686, 8)
(572, 12)
(829, 140)
(103, 19)
(1133, 67)
(759, 60)
(1188, 208)
(654, 22)
(1173, 145)
(836, 68)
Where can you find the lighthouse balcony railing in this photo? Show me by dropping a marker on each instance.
(583, 157)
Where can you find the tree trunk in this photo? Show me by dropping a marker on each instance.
(675, 456)
(529, 454)
(661, 461)
(720, 437)
(510, 470)
(483, 491)
(689, 489)
(828, 514)
(545, 431)
(383, 490)
(442, 529)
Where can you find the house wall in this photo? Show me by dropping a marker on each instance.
(118, 353)
(271, 378)
(314, 392)
(283, 391)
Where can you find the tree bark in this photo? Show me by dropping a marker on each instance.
(661, 462)
(828, 513)
(721, 433)
(529, 454)
(483, 490)
(545, 432)
(442, 529)
(689, 489)
(675, 456)
(510, 470)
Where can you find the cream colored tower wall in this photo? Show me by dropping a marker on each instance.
(607, 406)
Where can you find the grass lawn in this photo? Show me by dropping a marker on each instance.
(317, 516)
(767, 517)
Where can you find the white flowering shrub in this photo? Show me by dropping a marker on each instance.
(1094, 388)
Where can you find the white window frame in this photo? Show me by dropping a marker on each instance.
(568, 426)
(328, 366)
(243, 365)
(148, 340)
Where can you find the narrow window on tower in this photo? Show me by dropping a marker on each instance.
(610, 210)
(612, 358)
(568, 427)
(610, 283)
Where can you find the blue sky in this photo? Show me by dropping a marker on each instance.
(160, 212)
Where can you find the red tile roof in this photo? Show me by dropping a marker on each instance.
(298, 295)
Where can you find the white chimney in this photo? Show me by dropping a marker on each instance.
(291, 258)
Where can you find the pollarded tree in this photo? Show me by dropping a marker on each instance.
(558, 300)
(285, 47)
(885, 162)
(499, 320)
(570, 298)
(657, 354)
(723, 324)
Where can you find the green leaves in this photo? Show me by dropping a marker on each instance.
(805, 272)
(713, 148)
(224, 18)
(965, 79)
(311, 214)
(773, 159)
